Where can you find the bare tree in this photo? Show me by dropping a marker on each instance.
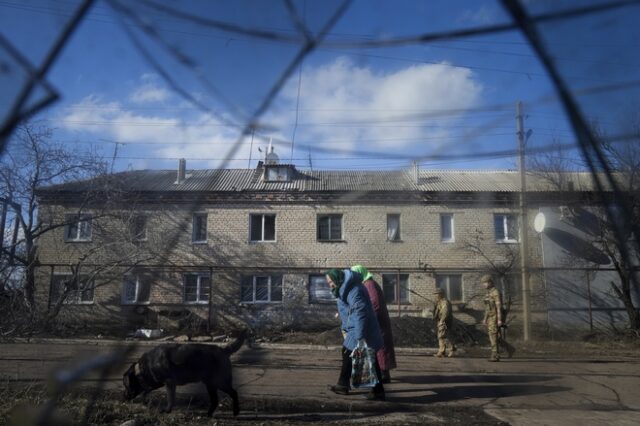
(33, 162)
(556, 168)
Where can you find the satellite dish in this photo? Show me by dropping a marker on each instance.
(539, 222)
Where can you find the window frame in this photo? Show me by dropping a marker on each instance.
(77, 219)
(397, 296)
(138, 283)
(75, 296)
(199, 276)
(330, 216)
(270, 286)
(193, 227)
(399, 234)
(505, 228)
(262, 222)
(452, 238)
(143, 236)
(447, 288)
(314, 299)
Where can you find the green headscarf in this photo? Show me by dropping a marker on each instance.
(337, 276)
(364, 272)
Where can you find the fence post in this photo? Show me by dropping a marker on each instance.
(589, 296)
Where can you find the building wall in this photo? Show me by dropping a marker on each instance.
(296, 253)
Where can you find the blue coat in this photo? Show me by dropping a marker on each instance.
(357, 315)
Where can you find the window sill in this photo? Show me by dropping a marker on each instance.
(506, 241)
(199, 243)
(331, 241)
(447, 241)
(277, 302)
(394, 241)
(204, 302)
(77, 241)
(135, 303)
(78, 303)
(262, 241)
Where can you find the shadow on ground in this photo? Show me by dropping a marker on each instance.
(454, 393)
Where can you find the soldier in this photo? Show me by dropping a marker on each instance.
(443, 318)
(493, 318)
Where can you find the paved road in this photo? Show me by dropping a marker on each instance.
(290, 379)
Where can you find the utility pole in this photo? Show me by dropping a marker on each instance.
(524, 256)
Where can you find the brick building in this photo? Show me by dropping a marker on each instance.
(250, 245)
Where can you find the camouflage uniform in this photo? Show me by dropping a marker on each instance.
(443, 318)
(492, 314)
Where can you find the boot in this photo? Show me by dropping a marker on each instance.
(386, 377)
(340, 389)
(439, 354)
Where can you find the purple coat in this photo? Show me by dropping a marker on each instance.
(387, 354)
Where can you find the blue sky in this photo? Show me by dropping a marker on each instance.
(345, 108)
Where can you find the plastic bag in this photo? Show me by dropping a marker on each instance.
(363, 371)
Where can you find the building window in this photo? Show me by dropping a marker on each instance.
(446, 228)
(261, 289)
(452, 286)
(74, 289)
(135, 290)
(138, 228)
(393, 227)
(196, 288)
(506, 226)
(263, 227)
(319, 290)
(395, 291)
(199, 232)
(330, 227)
(78, 227)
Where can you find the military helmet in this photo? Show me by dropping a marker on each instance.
(487, 278)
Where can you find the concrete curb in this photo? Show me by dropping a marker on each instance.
(273, 346)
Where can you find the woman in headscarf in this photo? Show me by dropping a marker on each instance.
(359, 325)
(386, 355)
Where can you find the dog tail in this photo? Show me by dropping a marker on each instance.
(237, 344)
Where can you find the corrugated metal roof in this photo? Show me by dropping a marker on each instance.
(236, 180)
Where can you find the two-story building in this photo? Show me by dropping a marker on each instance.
(164, 249)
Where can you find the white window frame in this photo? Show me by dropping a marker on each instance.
(263, 215)
(313, 299)
(331, 216)
(269, 288)
(193, 227)
(396, 288)
(399, 232)
(443, 238)
(138, 283)
(447, 286)
(74, 298)
(80, 221)
(198, 300)
(505, 227)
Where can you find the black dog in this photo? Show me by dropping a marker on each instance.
(176, 364)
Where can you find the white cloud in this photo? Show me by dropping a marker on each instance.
(349, 103)
(342, 106)
(199, 136)
(481, 16)
(150, 91)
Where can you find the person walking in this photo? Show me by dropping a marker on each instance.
(386, 355)
(359, 326)
(443, 317)
(493, 319)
